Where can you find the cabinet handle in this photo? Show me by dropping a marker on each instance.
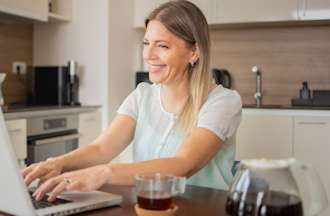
(56, 139)
(312, 123)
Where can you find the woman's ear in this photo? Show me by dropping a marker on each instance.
(195, 55)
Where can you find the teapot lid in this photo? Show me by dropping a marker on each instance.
(267, 163)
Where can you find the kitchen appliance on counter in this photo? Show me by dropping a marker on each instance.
(51, 136)
(73, 83)
(53, 85)
(2, 79)
(317, 98)
(222, 77)
(141, 76)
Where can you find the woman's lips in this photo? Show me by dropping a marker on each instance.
(156, 68)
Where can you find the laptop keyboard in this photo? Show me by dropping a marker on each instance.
(43, 203)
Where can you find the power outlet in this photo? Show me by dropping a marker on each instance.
(19, 68)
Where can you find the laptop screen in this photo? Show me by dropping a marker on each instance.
(14, 196)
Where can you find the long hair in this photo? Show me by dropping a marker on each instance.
(186, 21)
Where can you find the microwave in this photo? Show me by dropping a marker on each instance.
(50, 85)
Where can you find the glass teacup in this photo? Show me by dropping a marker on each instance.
(155, 190)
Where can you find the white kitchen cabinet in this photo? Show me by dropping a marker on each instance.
(142, 8)
(314, 9)
(18, 136)
(242, 11)
(89, 127)
(312, 145)
(206, 7)
(32, 9)
(60, 11)
(262, 135)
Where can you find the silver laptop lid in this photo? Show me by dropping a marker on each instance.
(14, 195)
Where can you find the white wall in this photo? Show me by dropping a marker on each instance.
(84, 39)
(124, 52)
(125, 47)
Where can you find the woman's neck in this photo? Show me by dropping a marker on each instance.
(174, 97)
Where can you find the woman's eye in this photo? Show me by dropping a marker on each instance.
(163, 46)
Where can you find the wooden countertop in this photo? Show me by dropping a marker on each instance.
(195, 201)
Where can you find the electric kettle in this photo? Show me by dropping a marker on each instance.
(275, 188)
(221, 77)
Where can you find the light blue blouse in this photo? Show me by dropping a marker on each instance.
(156, 137)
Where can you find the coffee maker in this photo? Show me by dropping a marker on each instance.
(54, 85)
(73, 84)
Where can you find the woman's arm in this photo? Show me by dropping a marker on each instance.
(199, 147)
(109, 144)
(196, 151)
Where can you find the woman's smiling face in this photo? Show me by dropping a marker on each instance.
(166, 55)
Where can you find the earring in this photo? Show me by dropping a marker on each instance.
(192, 64)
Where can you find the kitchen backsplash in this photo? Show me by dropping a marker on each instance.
(15, 45)
(287, 56)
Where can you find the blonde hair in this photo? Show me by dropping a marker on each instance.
(186, 21)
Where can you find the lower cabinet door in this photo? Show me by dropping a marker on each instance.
(264, 136)
(17, 134)
(312, 145)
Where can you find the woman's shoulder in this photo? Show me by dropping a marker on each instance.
(223, 97)
(146, 89)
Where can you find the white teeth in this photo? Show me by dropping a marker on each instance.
(155, 66)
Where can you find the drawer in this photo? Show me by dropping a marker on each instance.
(18, 136)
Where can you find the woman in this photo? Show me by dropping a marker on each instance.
(178, 125)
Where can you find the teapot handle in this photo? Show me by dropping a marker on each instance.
(316, 191)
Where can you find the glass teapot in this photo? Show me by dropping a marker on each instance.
(275, 188)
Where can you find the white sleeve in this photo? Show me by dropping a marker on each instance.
(221, 114)
(130, 105)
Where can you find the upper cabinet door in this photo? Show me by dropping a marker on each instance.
(206, 8)
(32, 9)
(242, 11)
(314, 9)
(142, 8)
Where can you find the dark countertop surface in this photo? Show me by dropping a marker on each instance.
(26, 108)
(17, 112)
(288, 106)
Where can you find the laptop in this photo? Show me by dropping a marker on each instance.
(16, 198)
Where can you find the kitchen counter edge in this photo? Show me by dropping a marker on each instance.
(51, 111)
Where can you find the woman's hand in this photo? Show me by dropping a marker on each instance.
(82, 180)
(43, 171)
